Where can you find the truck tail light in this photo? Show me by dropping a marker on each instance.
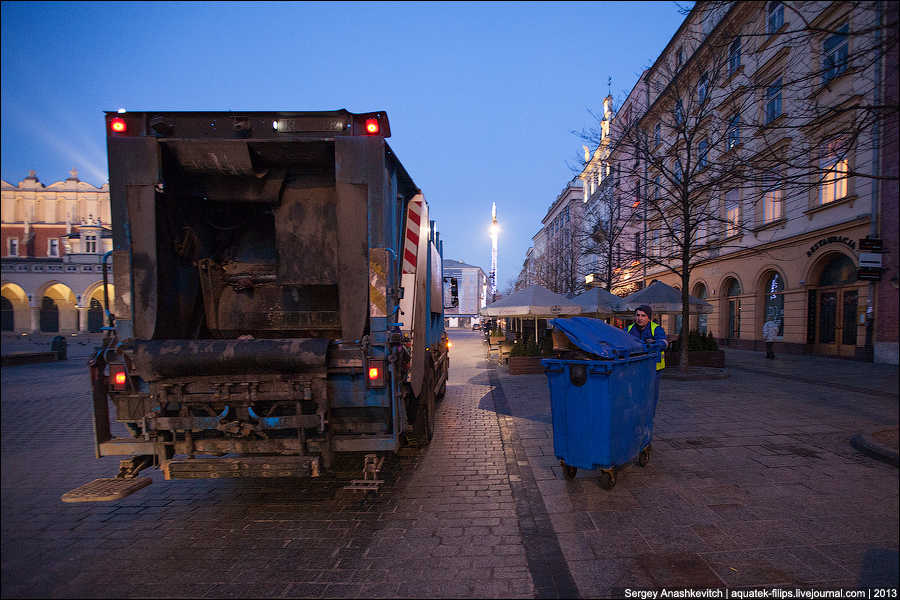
(372, 126)
(118, 377)
(118, 125)
(449, 344)
(375, 373)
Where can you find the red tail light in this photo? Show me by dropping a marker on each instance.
(118, 125)
(376, 373)
(372, 126)
(118, 377)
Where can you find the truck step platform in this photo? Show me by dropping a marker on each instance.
(106, 489)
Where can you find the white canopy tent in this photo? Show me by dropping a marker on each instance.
(535, 302)
(598, 301)
(662, 298)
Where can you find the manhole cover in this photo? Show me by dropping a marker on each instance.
(104, 490)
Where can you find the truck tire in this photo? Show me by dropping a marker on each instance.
(424, 427)
(446, 371)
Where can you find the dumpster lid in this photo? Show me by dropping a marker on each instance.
(596, 337)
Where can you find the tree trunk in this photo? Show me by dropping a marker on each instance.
(685, 320)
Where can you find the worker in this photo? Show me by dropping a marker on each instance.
(647, 331)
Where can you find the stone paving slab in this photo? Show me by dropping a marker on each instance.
(752, 482)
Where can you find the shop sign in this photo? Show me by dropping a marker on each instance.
(869, 260)
(871, 245)
(868, 274)
(831, 239)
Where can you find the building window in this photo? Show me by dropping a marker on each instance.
(657, 135)
(774, 305)
(734, 55)
(700, 233)
(773, 101)
(700, 292)
(656, 188)
(90, 244)
(733, 292)
(637, 243)
(773, 202)
(654, 249)
(734, 132)
(775, 16)
(679, 58)
(835, 60)
(834, 166)
(732, 213)
(703, 88)
(53, 247)
(13, 246)
(702, 154)
(678, 171)
(679, 112)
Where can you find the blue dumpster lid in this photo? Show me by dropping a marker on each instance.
(596, 337)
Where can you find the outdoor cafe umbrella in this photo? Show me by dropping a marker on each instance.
(662, 298)
(598, 301)
(534, 301)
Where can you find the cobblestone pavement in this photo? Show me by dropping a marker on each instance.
(752, 482)
(446, 523)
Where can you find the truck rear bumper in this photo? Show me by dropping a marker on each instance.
(244, 466)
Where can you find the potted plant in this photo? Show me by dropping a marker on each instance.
(525, 356)
(703, 351)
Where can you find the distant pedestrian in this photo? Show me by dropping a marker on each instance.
(647, 331)
(770, 332)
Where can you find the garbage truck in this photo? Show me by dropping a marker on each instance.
(276, 295)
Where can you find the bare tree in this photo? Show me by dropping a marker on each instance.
(745, 117)
(557, 264)
(605, 231)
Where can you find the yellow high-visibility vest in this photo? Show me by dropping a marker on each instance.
(661, 364)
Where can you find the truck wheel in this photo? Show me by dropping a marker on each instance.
(443, 391)
(424, 428)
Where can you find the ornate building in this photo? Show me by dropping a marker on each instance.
(762, 126)
(54, 238)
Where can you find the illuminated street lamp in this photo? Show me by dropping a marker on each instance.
(495, 233)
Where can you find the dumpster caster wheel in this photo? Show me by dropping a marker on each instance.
(568, 470)
(644, 457)
(608, 479)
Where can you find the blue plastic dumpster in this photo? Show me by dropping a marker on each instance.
(602, 409)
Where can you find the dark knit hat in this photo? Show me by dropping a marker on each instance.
(646, 309)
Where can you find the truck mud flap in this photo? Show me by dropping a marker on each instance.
(106, 489)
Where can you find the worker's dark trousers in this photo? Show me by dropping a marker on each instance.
(770, 352)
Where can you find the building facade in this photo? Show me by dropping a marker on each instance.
(791, 188)
(54, 238)
(556, 259)
(465, 293)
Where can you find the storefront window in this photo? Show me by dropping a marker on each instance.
(734, 309)
(774, 303)
(700, 292)
(839, 271)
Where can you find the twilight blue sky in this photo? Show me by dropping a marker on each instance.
(482, 97)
